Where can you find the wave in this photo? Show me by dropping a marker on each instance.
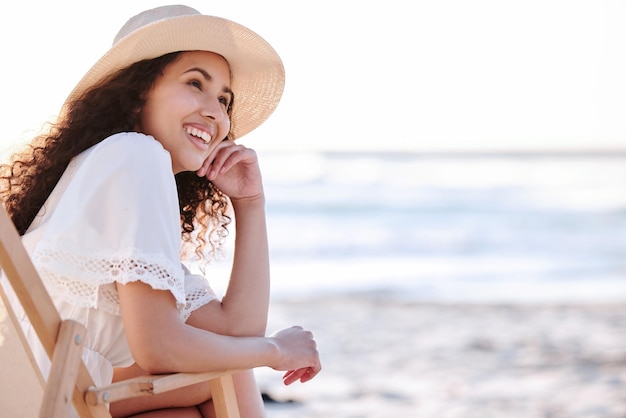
(444, 227)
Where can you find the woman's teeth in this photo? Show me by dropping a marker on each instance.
(200, 134)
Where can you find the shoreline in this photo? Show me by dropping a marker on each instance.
(383, 356)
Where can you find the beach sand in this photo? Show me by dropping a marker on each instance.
(384, 357)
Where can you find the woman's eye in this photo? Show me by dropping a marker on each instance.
(224, 101)
(196, 83)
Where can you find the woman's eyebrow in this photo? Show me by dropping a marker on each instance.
(207, 77)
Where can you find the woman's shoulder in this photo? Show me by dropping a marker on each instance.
(125, 148)
(131, 142)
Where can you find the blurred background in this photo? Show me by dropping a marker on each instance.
(447, 176)
(512, 227)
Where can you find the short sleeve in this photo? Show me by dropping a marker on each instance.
(197, 292)
(117, 221)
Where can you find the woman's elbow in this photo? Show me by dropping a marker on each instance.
(156, 357)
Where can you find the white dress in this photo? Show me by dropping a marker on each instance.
(112, 218)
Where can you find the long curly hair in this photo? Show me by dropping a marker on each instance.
(112, 106)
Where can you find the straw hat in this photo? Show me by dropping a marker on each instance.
(258, 75)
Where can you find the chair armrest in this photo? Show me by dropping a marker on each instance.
(148, 385)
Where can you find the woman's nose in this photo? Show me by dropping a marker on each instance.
(212, 108)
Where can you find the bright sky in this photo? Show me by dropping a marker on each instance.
(372, 75)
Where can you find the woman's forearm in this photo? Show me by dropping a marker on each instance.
(198, 350)
(246, 301)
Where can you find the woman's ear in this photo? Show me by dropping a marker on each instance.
(137, 116)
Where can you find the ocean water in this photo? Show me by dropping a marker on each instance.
(452, 228)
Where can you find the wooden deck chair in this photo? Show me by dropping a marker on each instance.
(23, 391)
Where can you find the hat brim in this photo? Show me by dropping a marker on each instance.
(258, 75)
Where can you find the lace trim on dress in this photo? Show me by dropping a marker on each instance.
(87, 278)
(195, 298)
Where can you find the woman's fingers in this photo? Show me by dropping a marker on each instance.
(204, 169)
(225, 156)
(303, 375)
(214, 163)
(292, 376)
(234, 169)
(210, 161)
(224, 160)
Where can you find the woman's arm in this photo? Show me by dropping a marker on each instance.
(234, 169)
(246, 301)
(228, 334)
(161, 342)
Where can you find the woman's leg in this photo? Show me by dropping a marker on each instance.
(248, 394)
(191, 412)
(249, 397)
(189, 396)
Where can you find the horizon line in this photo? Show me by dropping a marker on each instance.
(528, 152)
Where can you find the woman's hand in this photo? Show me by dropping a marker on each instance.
(298, 355)
(234, 169)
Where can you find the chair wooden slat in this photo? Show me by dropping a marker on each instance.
(224, 398)
(64, 370)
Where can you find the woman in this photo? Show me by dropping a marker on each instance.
(141, 172)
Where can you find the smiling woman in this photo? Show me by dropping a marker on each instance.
(133, 184)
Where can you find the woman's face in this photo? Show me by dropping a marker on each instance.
(187, 108)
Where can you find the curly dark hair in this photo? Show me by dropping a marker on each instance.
(112, 106)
